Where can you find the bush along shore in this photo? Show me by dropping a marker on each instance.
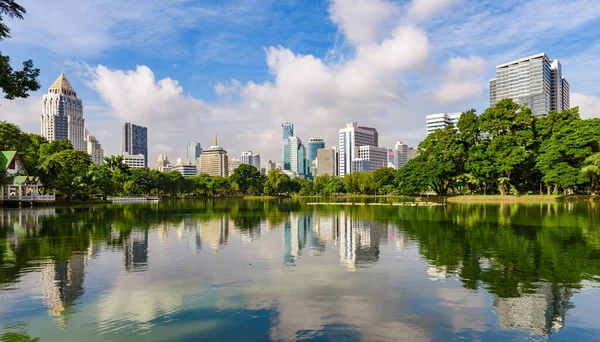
(505, 150)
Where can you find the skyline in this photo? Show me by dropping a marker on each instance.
(386, 65)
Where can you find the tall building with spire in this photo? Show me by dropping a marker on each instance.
(214, 161)
(63, 114)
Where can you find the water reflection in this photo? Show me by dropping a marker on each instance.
(437, 270)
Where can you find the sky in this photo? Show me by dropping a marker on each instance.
(240, 68)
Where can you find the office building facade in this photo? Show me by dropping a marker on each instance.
(162, 164)
(134, 140)
(63, 114)
(233, 164)
(350, 138)
(403, 153)
(186, 170)
(314, 144)
(214, 161)
(534, 80)
(134, 161)
(194, 150)
(94, 149)
(376, 157)
(441, 120)
(256, 161)
(327, 162)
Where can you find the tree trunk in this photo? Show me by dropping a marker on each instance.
(549, 192)
(502, 190)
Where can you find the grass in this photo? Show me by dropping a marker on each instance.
(260, 197)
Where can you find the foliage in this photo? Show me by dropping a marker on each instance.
(15, 83)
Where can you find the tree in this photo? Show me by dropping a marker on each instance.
(116, 162)
(441, 158)
(334, 186)
(562, 156)
(15, 83)
(508, 147)
(384, 180)
(247, 178)
(592, 170)
(320, 183)
(277, 183)
(102, 181)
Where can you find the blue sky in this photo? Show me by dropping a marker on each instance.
(241, 68)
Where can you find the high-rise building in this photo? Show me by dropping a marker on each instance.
(162, 164)
(63, 114)
(327, 162)
(403, 154)
(214, 161)
(298, 162)
(234, 163)
(94, 149)
(376, 156)
(350, 138)
(391, 156)
(246, 158)
(535, 80)
(256, 161)
(271, 165)
(134, 161)
(314, 144)
(288, 131)
(441, 120)
(194, 150)
(135, 140)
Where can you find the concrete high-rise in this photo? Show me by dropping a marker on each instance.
(214, 161)
(256, 161)
(327, 162)
(376, 156)
(94, 149)
(350, 138)
(403, 154)
(63, 114)
(134, 141)
(163, 164)
(535, 80)
(314, 144)
(233, 164)
(441, 120)
(246, 158)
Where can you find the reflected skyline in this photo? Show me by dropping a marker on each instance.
(193, 257)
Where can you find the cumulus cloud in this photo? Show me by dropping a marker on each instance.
(362, 21)
(423, 9)
(589, 106)
(462, 79)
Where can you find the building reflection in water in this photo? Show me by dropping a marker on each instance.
(214, 233)
(136, 251)
(62, 282)
(356, 241)
(539, 313)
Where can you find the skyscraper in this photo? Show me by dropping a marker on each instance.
(327, 159)
(350, 138)
(403, 154)
(441, 120)
(194, 150)
(288, 131)
(256, 161)
(246, 158)
(377, 157)
(63, 114)
(135, 141)
(314, 144)
(233, 164)
(94, 149)
(214, 161)
(163, 164)
(535, 80)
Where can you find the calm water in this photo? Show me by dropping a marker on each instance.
(233, 270)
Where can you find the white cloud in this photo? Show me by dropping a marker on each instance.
(362, 21)
(423, 9)
(462, 79)
(589, 106)
(23, 112)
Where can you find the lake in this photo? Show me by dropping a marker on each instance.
(252, 270)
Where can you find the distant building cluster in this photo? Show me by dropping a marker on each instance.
(535, 81)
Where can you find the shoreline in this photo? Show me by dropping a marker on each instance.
(520, 199)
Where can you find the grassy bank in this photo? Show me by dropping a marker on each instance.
(518, 199)
(261, 197)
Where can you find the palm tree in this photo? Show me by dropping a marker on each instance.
(592, 169)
